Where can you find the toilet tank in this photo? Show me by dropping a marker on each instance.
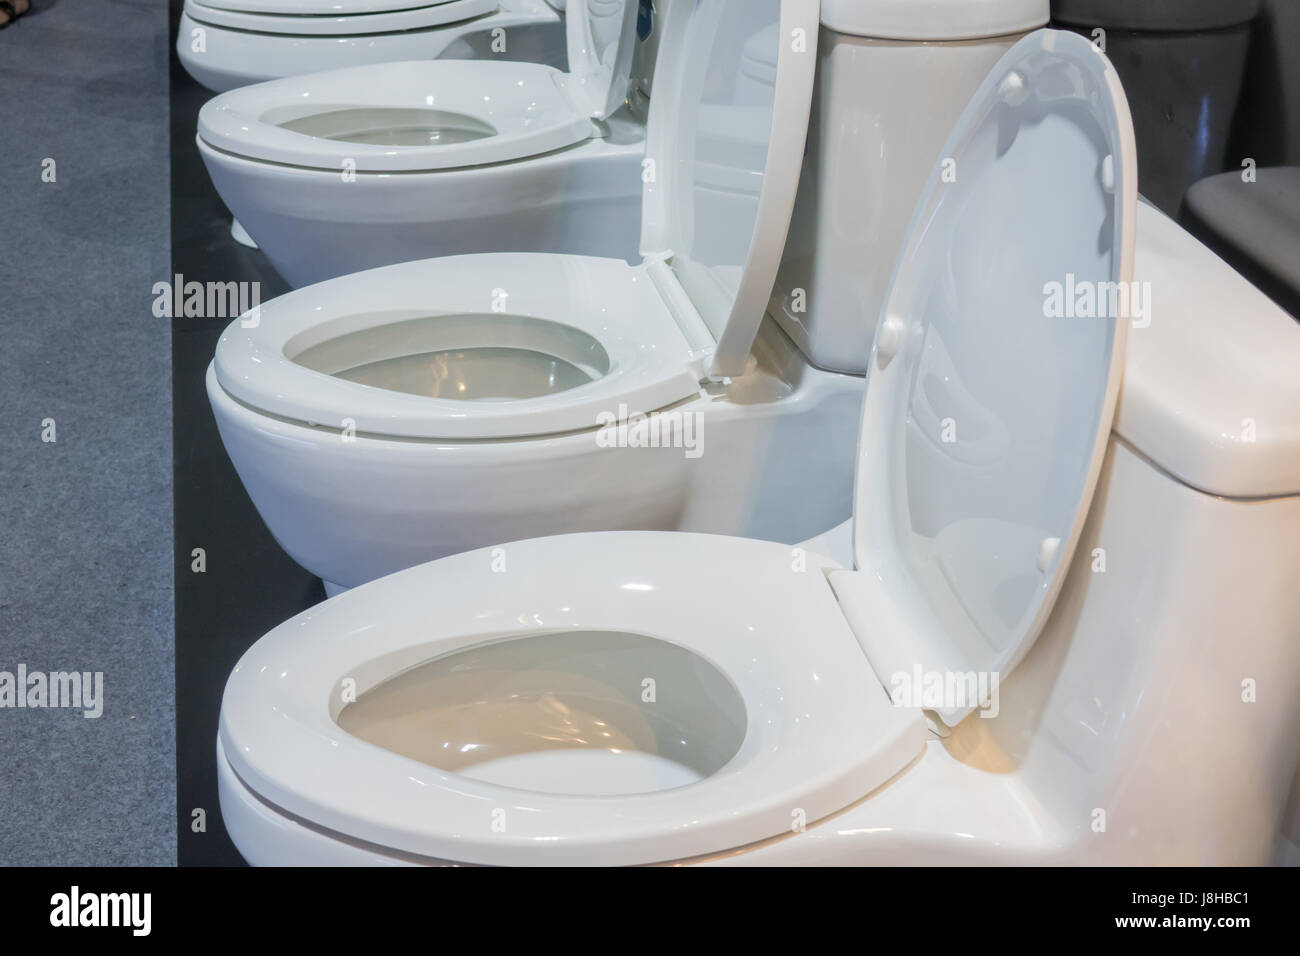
(893, 78)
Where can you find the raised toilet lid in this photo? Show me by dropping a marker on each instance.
(601, 40)
(720, 176)
(993, 381)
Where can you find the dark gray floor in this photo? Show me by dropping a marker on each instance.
(85, 522)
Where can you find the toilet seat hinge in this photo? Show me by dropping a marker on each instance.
(699, 339)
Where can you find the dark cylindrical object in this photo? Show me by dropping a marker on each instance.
(1182, 63)
(1268, 121)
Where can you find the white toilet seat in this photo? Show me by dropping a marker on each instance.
(604, 301)
(820, 731)
(323, 18)
(474, 112)
(517, 110)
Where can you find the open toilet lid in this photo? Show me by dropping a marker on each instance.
(995, 372)
(722, 166)
(601, 38)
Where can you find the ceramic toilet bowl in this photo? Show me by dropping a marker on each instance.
(640, 697)
(225, 44)
(742, 732)
(869, 154)
(336, 172)
(500, 432)
(446, 404)
(509, 178)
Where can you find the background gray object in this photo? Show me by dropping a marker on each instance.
(1255, 226)
(1268, 121)
(85, 524)
(1164, 15)
(1182, 63)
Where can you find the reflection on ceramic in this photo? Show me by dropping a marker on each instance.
(341, 171)
(1066, 559)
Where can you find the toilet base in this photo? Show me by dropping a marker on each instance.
(240, 235)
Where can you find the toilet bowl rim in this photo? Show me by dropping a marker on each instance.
(530, 115)
(804, 747)
(607, 300)
(395, 16)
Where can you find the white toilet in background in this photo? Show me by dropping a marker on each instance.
(228, 43)
(337, 172)
(647, 697)
(425, 475)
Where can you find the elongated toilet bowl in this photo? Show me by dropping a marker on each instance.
(337, 172)
(1020, 650)
(225, 44)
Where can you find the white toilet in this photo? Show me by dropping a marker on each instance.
(224, 44)
(357, 477)
(1051, 633)
(337, 172)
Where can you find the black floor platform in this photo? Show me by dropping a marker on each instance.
(249, 585)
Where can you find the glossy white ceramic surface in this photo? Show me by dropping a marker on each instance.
(456, 303)
(243, 51)
(1235, 435)
(601, 43)
(316, 8)
(723, 154)
(881, 113)
(585, 201)
(986, 413)
(354, 511)
(815, 735)
(500, 112)
(430, 475)
(494, 156)
(1153, 720)
(934, 20)
(396, 17)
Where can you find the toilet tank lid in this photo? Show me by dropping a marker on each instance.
(1210, 395)
(1155, 15)
(933, 19)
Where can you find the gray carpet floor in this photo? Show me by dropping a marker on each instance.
(85, 521)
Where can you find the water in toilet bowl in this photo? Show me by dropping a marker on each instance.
(588, 712)
(472, 375)
(389, 126)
